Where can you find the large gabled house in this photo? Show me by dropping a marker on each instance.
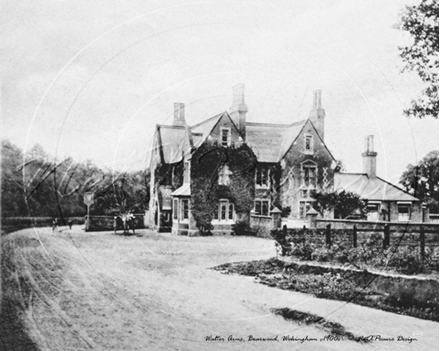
(284, 164)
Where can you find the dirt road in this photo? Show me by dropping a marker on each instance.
(156, 292)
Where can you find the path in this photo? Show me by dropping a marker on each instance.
(155, 292)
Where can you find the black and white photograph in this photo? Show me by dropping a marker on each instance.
(219, 175)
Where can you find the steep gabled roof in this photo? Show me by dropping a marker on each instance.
(269, 141)
(170, 141)
(370, 188)
(204, 128)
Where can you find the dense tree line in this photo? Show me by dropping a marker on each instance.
(35, 184)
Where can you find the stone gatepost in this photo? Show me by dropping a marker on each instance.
(311, 217)
(276, 217)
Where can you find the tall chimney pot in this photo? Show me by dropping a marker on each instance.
(179, 114)
(317, 114)
(239, 109)
(369, 157)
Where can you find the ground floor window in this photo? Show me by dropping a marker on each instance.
(225, 211)
(404, 211)
(372, 212)
(304, 206)
(261, 207)
(175, 208)
(184, 204)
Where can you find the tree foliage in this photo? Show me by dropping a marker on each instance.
(343, 203)
(35, 184)
(421, 21)
(422, 180)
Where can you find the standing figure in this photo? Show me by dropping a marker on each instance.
(54, 225)
(70, 222)
(115, 223)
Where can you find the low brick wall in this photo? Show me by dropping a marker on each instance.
(345, 237)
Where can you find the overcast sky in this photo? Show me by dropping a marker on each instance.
(92, 78)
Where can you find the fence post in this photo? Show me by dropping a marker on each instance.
(386, 236)
(422, 243)
(328, 237)
(355, 239)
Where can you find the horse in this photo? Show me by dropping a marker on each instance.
(128, 223)
(117, 223)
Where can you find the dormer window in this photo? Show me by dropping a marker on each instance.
(225, 137)
(224, 175)
(308, 144)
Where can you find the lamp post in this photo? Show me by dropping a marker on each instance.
(88, 200)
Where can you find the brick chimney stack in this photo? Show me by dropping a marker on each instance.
(317, 114)
(369, 157)
(239, 109)
(179, 114)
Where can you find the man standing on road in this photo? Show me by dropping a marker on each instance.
(54, 225)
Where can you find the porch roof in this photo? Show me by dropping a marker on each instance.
(184, 190)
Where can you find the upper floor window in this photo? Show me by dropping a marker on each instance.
(307, 193)
(225, 136)
(186, 171)
(261, 207)
(308, 144)
(309, 175)
(262, 177)
(224, 175)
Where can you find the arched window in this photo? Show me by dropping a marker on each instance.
(224, 175)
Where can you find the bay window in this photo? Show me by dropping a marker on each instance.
(175, 208)
(184, 205)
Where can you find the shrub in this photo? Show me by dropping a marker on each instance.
(241, 228)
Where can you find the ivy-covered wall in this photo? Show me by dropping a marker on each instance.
(206, 191)
(169, 174)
